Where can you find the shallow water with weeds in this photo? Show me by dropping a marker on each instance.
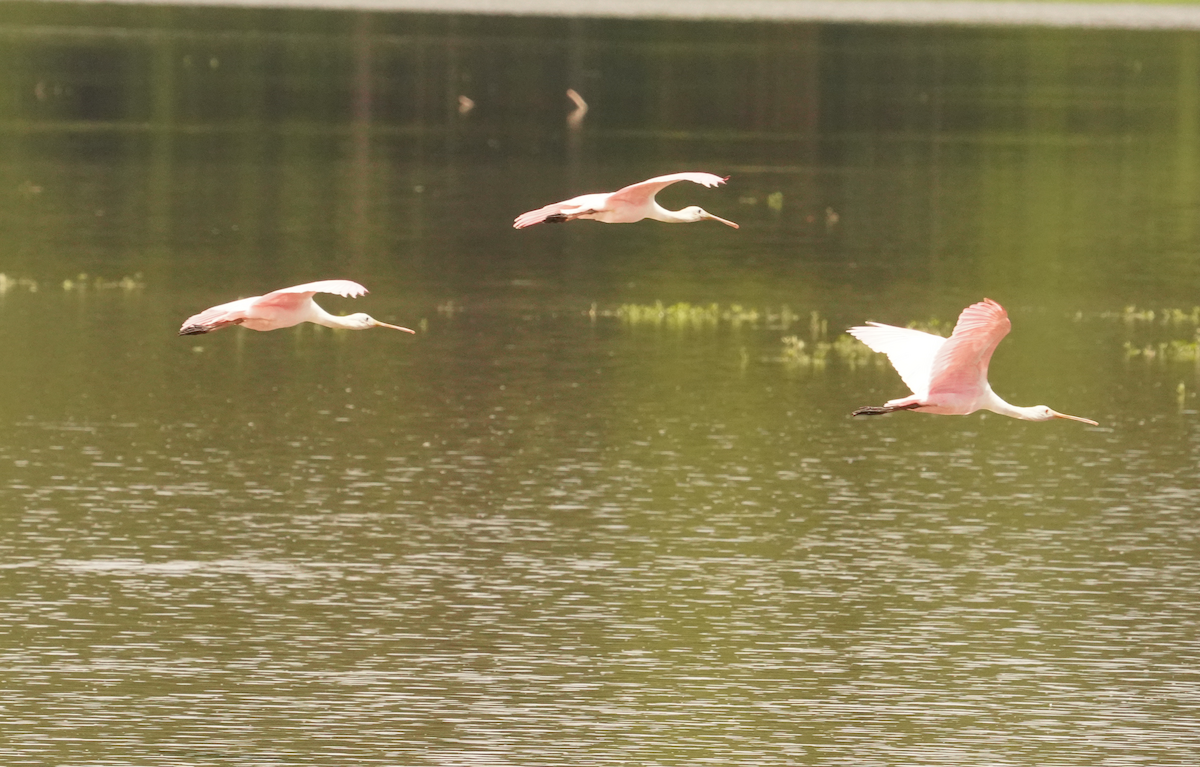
(608, 506)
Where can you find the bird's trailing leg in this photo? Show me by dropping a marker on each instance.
(559, 218)
(195, 330)
(885, 409)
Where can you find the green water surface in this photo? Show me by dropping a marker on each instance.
(562, 524)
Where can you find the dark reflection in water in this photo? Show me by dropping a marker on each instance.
(559, 525)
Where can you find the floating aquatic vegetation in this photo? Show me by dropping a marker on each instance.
(814, 351)
(818, 326)
(685, 315)
(13, 283)
(816, 354)
(1131, 315)
(81, 282)
(84, 282)
(856, 353)
(1165, 351)
(797, 353)
(1172, 350)
(676, 315)
(679, 314)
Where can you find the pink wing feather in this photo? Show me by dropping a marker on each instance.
(573, 205)
(537, 216)
(216, 317)
(294, 295)
(639, 193)
(961, 365)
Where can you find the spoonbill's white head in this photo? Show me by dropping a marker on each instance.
(362, 321)
(1043, 413)
(696, 213)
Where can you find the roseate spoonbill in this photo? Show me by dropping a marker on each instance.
(624, 206)
(948, 376)
(283, 309)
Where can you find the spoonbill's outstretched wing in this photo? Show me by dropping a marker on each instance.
(910, 351)
(571, 207)
(217, 317)
(961, 365)
(642, 192)
(299, 293)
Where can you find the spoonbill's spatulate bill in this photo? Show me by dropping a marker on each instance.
(948, 376)
(624, 206)
(283, 309)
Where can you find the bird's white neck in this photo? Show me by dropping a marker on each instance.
(998, 405)
(659, 213)
(319, 316)
(333, 321)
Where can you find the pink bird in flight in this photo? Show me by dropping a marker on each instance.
(948, 376)
(283, 309)
(624, 206)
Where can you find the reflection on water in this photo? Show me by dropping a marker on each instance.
(608, 603)
(563, 524)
